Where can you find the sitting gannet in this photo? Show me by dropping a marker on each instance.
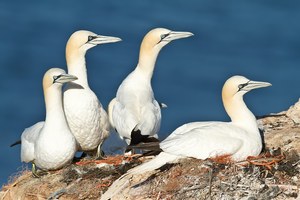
(87, 119)
(50, 145)
(238, 139)
(134, 112)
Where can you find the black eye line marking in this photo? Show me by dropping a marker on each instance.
(91, 37)
(241, 86)
(55, 78)
(163, 36)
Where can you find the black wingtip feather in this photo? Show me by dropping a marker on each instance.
(137, 137)
(16, 143)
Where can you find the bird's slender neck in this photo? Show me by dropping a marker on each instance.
(55, 115)
(76, 65)
(147, 60)
(239, 113)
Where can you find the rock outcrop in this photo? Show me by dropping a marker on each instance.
(276, 175)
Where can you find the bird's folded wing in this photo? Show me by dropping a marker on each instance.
(31, 133)
(201, 143)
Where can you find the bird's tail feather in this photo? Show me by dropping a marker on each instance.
(124, 181)
(157, 162)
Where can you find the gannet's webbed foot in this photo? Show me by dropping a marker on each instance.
(34, 171)
(100, 155)
(96, 154)
(37, 174)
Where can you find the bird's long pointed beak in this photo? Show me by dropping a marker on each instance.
(65, 78)
(174, 35)
(101, 39)
(256, 84)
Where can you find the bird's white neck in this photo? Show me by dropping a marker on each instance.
(239, 113)
(147, 60)
(55, 115)
(77, 67)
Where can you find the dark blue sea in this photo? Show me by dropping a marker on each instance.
(254, 38)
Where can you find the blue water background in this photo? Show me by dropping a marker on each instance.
(257, 39)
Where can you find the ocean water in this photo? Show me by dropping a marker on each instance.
(257, 39)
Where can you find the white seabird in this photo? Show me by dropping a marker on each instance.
(134, 113)
(238, 139)
(87, 119)
(50, 144)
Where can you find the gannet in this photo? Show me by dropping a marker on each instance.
(50, 144)
(238, 139)
(134, 112)
(87, 119)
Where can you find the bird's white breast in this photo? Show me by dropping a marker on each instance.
(87, 119)
(54, 148)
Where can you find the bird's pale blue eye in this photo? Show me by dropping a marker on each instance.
(241, 86)
(90, 38)
(55, 78)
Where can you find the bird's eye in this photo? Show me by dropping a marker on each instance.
(241, 86)
(163, 36)
(55, 78)
(90, 38)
